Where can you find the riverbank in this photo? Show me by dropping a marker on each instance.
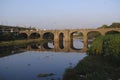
(94, 68)
(6, 44)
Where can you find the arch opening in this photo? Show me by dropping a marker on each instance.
(35, 46)
(34, 36)
(61, 40)
(76, 39)
(46, 45)
(50, 38)
(92, 35)
(22, 36)
(112, 32)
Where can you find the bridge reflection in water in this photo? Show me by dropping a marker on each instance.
(55, 47)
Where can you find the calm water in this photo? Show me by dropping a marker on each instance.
(29, 64)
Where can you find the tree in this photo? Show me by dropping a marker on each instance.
(104, 26)
(115, 25)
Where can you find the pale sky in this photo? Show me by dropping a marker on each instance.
(59, 14)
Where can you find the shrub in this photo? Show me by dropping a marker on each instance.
(108, 45)
(97, 46)
(111, 46)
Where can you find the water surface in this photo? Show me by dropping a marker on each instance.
(29, 64)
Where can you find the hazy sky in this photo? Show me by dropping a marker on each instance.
(59, 14)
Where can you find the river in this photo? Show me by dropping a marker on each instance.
(27, 64)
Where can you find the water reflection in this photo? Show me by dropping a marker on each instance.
(37, 59)
(54, 47)
(48, 46)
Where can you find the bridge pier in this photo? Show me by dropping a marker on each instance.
(61, 39)
(85, 41)
(102, 33)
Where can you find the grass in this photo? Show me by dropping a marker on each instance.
(94, 68)
(18, 42)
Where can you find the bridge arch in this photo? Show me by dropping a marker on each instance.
(112, 32)
(48, 35)
(23, 36)
(76, 40)
(34, 35)
(93, 34)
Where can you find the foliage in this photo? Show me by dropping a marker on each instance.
(7, 44)
(111, 46)
(113, 25)
(97, 46)
(104, 26)
(8, 36)
(16, 27)
(108, 45)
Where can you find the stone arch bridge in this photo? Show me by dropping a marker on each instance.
(61, 36)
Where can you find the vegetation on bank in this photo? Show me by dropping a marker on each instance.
(45, 74)
(16, 27)
(102, 62)
(94, 68)
(113, 25)
(108, 45)
(8, 36)
(19, 42)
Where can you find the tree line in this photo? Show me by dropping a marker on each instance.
(16, 27)
(113, 25)
(9, 36)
